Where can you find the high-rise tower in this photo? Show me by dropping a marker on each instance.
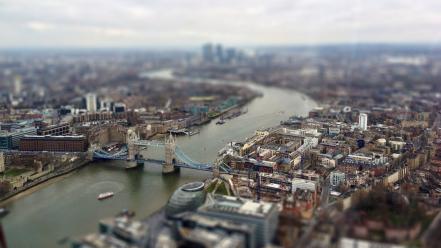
(362, 121)
(91, 102)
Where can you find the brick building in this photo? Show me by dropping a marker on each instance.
(54, 143)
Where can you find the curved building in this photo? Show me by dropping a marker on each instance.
(188, 197)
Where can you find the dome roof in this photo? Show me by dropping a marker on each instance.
(188, 197)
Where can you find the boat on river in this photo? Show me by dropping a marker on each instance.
(177, 131)
(220, 121)
(105, 195)
(193, 132)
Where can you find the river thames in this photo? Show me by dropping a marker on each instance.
(68, 208)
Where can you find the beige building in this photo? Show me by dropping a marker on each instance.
(2, 162)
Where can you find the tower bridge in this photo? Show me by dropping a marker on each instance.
(174, 157)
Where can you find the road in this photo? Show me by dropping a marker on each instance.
(324, 208)
(324, 196)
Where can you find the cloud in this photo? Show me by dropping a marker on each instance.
(39, 26)
(139, 12)
(192, 22)
(115, 32)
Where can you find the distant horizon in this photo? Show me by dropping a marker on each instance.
(188, 23)
(423, 45)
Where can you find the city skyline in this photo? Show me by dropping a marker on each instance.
(226, 146)
(190, 23)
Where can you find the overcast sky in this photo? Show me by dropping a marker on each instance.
(128, 23)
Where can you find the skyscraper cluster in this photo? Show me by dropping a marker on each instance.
(216, 53)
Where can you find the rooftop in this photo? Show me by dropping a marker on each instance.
(220, 203)
(53, 137)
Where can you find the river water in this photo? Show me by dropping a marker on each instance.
(68, 207)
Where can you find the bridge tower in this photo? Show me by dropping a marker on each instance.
(170, 158)
(216, 165)
(132, 149)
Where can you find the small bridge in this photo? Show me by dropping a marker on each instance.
(174, 158)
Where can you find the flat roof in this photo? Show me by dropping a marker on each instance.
(53, 137)
(229, 204)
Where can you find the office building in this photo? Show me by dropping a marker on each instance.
(202, 231)
(219, 53)
(119, 107)
(336, 178)
(262, 216)
(5, 141)
(11, 126)
(54, 143)
(207, 53)
(363, 121)
(106, 104)
(17, 85)
(55, 130)
(91, 102)
(230, 55)
(125, 228)
(10, 140)
(304, 184)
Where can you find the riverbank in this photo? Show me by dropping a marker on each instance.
(41, 182)
(313, 92)
(73, 198)
(26, 192)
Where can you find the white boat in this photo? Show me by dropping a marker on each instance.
(191, 133)
(105, 195)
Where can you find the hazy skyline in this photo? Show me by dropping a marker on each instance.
(113, 23)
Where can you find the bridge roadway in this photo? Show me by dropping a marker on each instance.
(160, 162)
(150, 143)
(189, 165)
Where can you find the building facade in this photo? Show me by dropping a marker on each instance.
(54, 143)
(55, 130)
(363, 121)
(91, 102)
(11, 140)
(262, 216)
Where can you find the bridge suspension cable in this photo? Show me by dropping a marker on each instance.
(183, 160)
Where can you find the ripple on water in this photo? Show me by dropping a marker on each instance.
(105, 186)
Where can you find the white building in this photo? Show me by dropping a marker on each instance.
(358, 243)
(261, 217)
(336, 177)
(334, 130)
(304, 184)
(371, 157)
(362, 121)
(327, 161)
(91, 102)
(106, 104)
(397, 145)
(17, 85)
